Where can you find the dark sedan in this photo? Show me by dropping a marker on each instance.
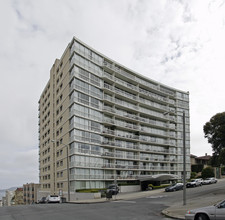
(42, 200)
(174, 187)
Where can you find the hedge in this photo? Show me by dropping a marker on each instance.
(150, 186)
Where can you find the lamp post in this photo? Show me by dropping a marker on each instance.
(184, 157)
(67, 166)
(184, 160)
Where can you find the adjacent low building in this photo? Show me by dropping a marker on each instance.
(30, 193)
(18, 197)
(9, 195)
(100, 122)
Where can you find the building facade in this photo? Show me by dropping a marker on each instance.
(100, 122)
(30, 191)
(9, 195)
(18, 199)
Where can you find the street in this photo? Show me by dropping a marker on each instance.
(120, 210)
(144, 208)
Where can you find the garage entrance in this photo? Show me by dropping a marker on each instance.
(155, 180)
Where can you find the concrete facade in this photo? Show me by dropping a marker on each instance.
(18, 200)
(30, 193)
(8, 198)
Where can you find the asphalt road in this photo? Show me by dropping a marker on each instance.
(136, 209)
(118, 210)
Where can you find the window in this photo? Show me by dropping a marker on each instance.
(94, 102)
(83, 98)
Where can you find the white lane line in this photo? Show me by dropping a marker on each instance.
(125, 201)
(155, 197)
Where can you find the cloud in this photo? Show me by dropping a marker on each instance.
(179, 43)
(18, 168)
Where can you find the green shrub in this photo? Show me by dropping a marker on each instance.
(207, 172)
(150, 186)
(193, 175)
(89, 190)
(197, 168)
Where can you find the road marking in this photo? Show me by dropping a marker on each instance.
(125, 201)
(155, 197)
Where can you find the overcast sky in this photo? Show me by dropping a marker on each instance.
(178, 43)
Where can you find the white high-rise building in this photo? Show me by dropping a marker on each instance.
(100, 122)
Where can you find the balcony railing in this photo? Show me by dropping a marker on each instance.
(117, 166)
(120, 92)
(115, 68)
(119, 155)
(101, 177)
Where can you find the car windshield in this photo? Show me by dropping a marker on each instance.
(220, 204)
(53, 196)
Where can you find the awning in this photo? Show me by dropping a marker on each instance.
(158, 177)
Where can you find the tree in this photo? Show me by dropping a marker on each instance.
(207, 172)
(215, 133)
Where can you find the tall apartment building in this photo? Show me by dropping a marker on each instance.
(100, 122)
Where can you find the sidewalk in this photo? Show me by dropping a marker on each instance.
(178, 210)
(121, 196)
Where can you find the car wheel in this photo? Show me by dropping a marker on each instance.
(202, 217)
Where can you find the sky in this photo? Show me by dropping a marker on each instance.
(179, 43)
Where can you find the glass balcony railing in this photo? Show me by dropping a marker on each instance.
(120, 92)
(113, 166)
(120, 156)
(86, 115)
(101, 177)
(117, 69)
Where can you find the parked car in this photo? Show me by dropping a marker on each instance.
(194, 183)
(209, 181)
(174, 187)
(42, 200)
(53, 199)
(113, 188)
(207, 213)
(213, 180)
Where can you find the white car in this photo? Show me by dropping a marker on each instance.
(209, 181)
(213, 180)
(194, 183)
(53, 199)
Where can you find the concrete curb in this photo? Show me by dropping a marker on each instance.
(171, 215)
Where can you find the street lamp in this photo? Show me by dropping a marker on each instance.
(184, 157)
(68, 178)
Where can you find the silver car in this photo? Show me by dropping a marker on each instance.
(53, 199)
(209, 181)
(215, 212)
